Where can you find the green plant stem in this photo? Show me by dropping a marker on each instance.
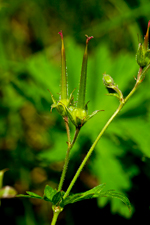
(91, 150)
(138, 81)
(122, 103)
(55, 216)
(67, 154)
(67, 129)
(70, 145)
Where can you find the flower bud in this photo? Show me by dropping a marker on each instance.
(112, 87)
(108, 80)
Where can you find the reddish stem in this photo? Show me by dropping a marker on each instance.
(88, 38)
(61, 34)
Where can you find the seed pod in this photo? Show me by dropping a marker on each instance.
(143, 52)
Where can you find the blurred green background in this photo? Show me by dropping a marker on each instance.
(33, 140)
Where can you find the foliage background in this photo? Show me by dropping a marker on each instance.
(33, 141)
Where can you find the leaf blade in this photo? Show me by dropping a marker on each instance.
(49, 192)
(30, 195)
(84, 195)
(120, 196)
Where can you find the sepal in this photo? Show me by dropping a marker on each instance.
(79, 116)
(61, 105)
(142, 56)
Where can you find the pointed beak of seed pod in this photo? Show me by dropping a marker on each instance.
(64, 85)
(83, 77)
(143, 52)
(146, 38)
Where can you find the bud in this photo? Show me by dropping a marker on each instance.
(112, 87)
(107, 80)
(143, 52)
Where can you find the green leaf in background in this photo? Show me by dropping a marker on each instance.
(138, 131)
(107, 167)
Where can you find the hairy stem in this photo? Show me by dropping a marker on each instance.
(67, 129)
(70, 145)
(138, 81)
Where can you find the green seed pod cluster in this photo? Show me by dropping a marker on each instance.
(78, 114)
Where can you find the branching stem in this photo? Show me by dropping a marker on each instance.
(122, 103)
(91, 150)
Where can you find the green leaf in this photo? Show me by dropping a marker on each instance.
(93, 193)
(54, 154)
(96, 190)
(76, 198)
(132, 129)
(58, 199)
(24, 196)
(30, 195)
(33, 195)
(49, 193)
(114, 194)
(72, 198)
